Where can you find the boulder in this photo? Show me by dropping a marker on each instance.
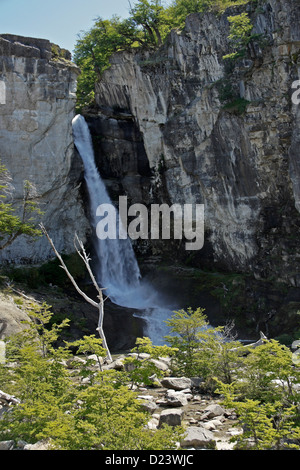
(149, 406)
(6, 445)
(40, 445)
(209, 425)
(119, 364)
(94, 357)
(153, 424)
(211, 411)
(198, 437)
(172, 417)
(12, 318)
(212, 424)
(176, 383)
(175, 399)
(147, 403)
(155, 382)
(161, 365)
(7, 399)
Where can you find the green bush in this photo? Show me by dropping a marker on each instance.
(48, 273)
(101, 414)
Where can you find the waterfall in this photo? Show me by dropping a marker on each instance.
(118, 271)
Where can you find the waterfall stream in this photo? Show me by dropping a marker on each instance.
(117, 268)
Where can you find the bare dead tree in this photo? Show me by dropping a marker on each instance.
(85, 258)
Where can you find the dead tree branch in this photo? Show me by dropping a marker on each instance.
(85, 258)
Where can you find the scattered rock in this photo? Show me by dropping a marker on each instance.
(211, 411)
(119, 364)
(198, 437)
(161, 365)
(234, 431)
(6, 445)
(149, 406)
(176, 383)
(40, 445)
(175, 399)
(153, 424)
(193, 421)
(209, 425)
(295, 345)
(7, 399)
(147, 403)
(212, 425)
(172, 417)
(155, 382)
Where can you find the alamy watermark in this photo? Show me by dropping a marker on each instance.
(161, 221)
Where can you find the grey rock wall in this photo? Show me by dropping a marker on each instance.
(244, 166)
(37, 144)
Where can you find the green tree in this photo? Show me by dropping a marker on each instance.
(186, 326)
(147, 25)
(265, 397)
(240, 34)
(152, 17)
(89, 345)
(268, 374)
(180, 9)
(11, 225)
(219, 353)
(103, 414)
(40, 329)
(92, 52)
(140, 368)
(110, 418)
(201, 349)
(265, 425)
(43, 387)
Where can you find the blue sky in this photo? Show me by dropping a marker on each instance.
(60, 21)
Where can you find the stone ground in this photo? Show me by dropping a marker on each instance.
(222, 426)
(188, 401)
(207, 423)
(173, 396)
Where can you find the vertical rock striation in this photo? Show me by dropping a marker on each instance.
(36, 140)
(225, 137)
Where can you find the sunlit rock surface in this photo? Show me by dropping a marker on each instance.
(37, 143)
(243, 164)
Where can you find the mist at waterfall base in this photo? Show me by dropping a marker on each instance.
(118, 271)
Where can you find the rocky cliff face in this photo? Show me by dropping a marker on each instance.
(36, 110)
(181, 126)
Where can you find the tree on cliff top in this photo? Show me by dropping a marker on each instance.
(92, 53)
(147, 25)
(11, 225)
(152, 17)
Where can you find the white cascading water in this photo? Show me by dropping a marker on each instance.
(118, 271)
